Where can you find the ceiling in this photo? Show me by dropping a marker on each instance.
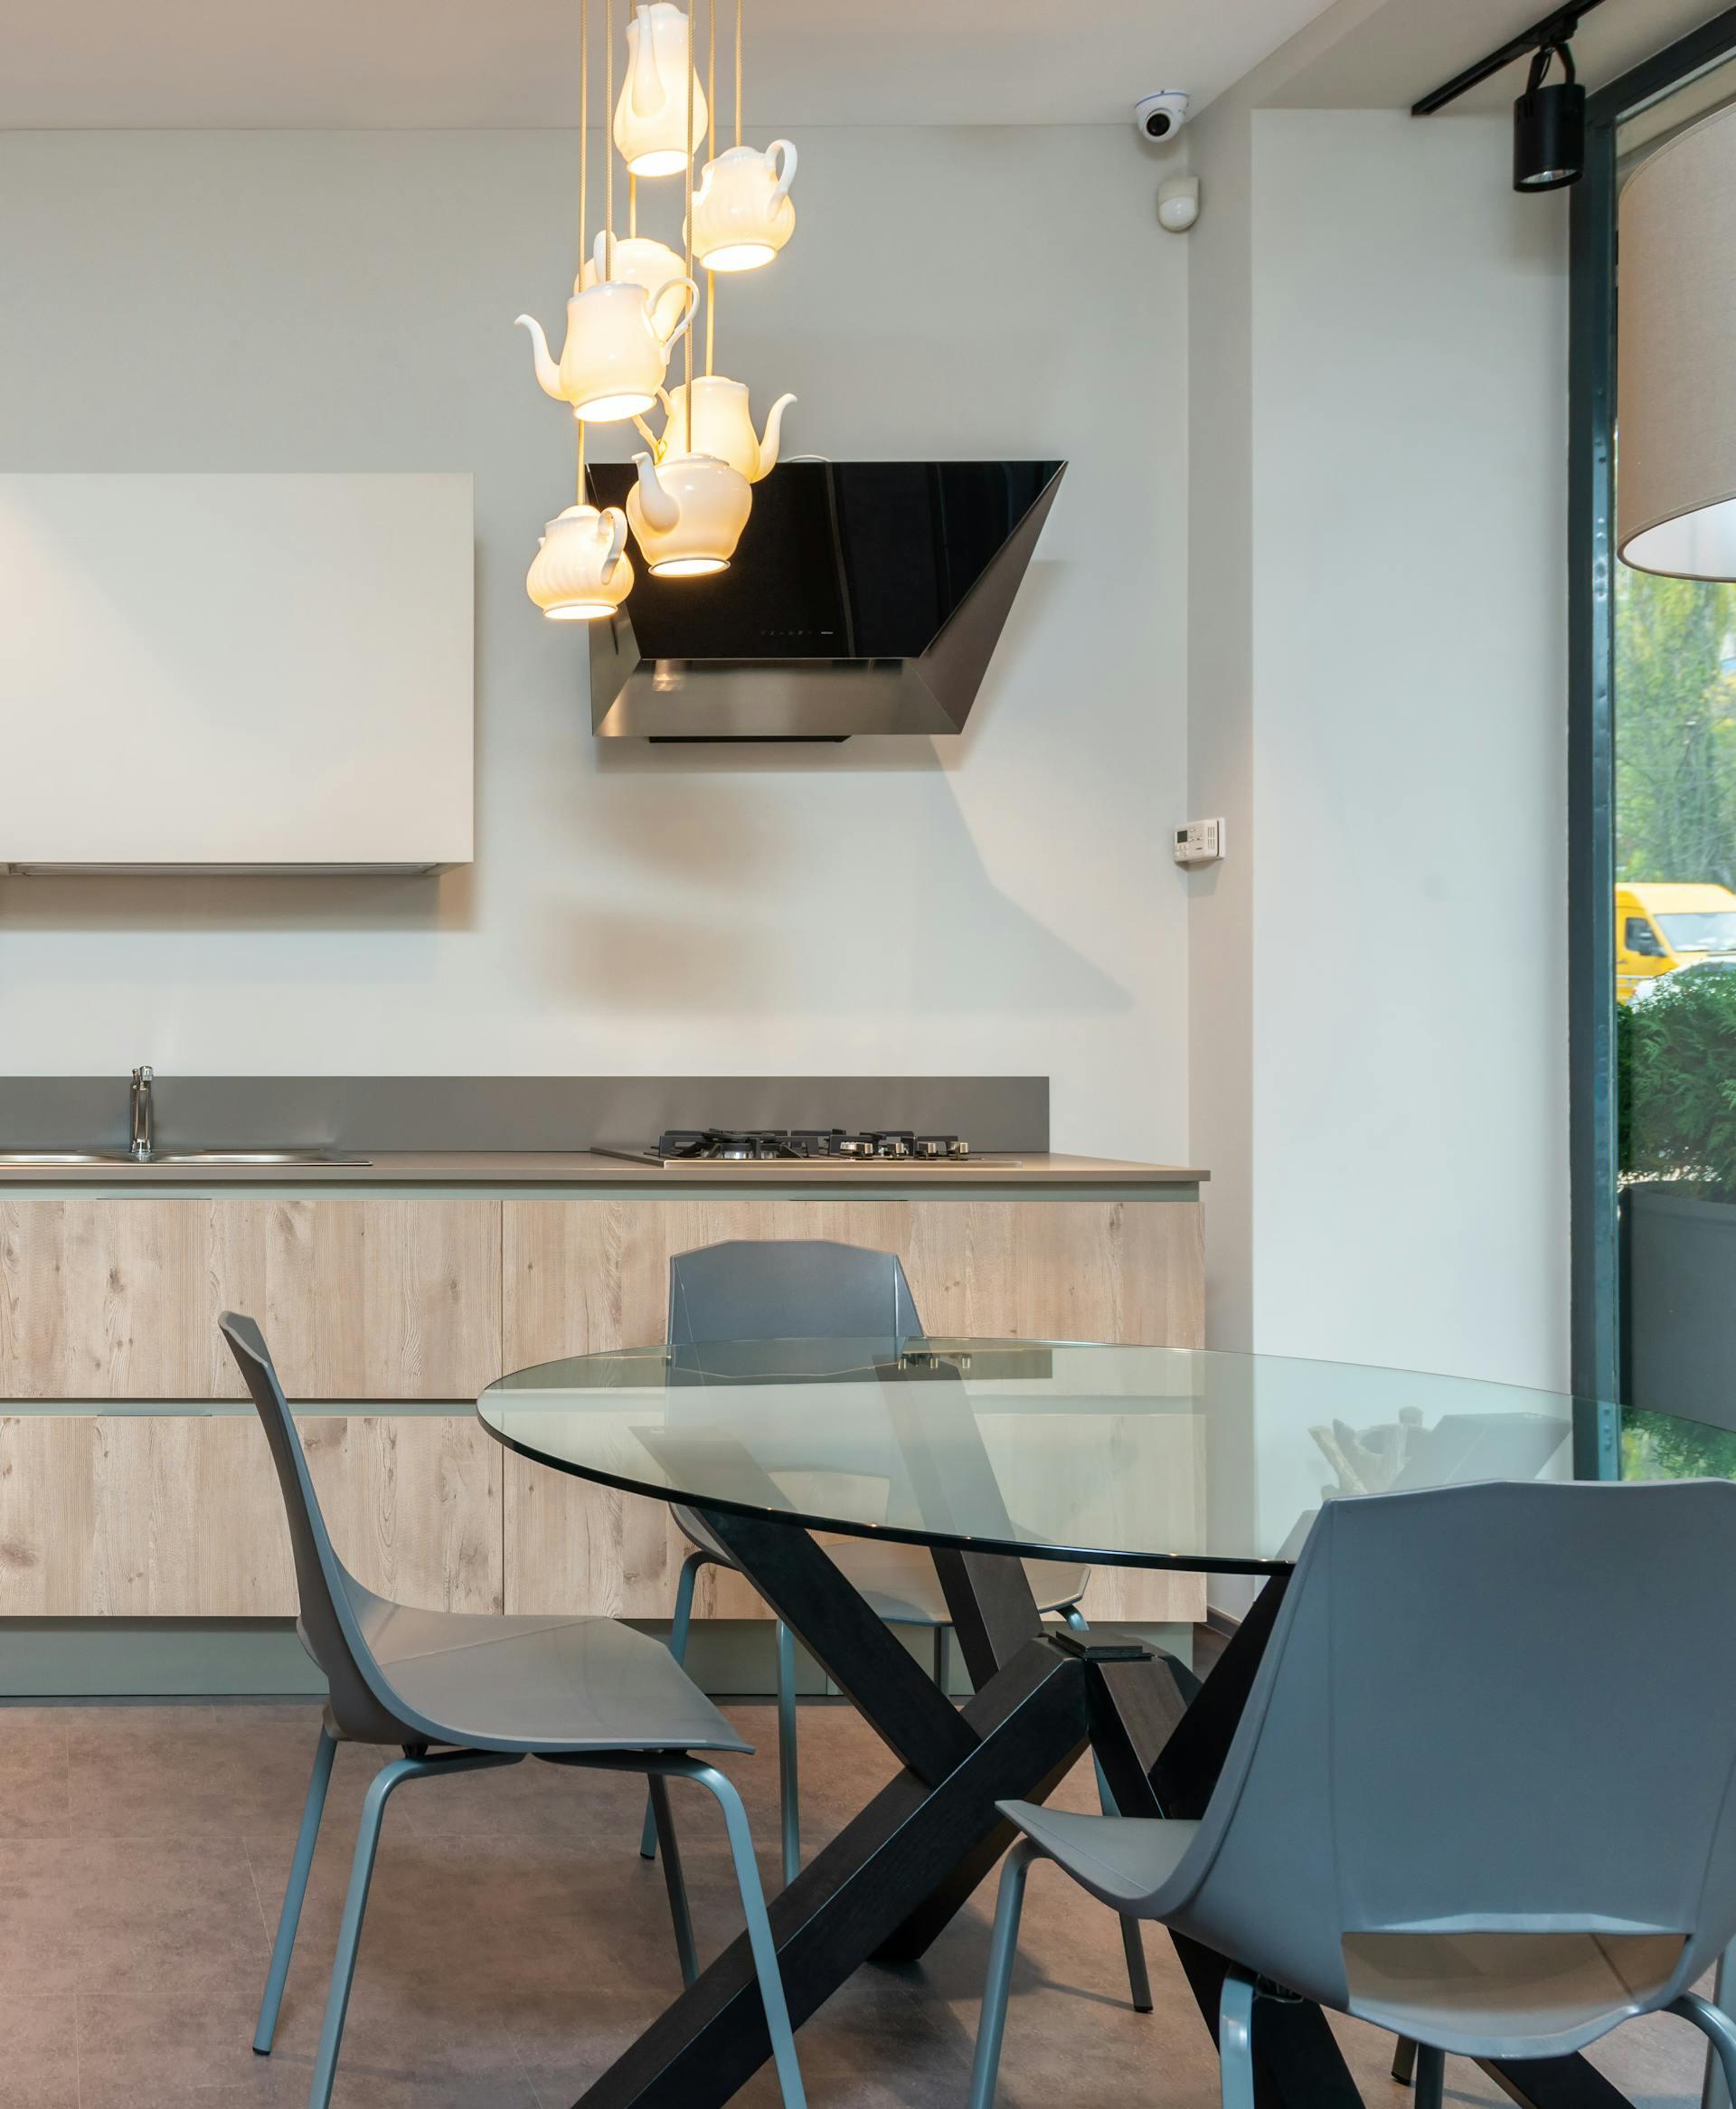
(468, 62)
(1401, 50)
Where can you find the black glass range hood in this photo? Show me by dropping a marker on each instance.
(863, 596)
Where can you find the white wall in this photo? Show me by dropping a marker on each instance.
(344, 300)
(1379, 989)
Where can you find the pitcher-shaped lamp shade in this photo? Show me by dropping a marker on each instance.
(687, 513)
(742, 212)
(581, 571)
(723, 426)
(618, 348)
(1675, 380)
(651, 264)
(651, 115)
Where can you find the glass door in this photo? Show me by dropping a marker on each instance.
(1672, 973)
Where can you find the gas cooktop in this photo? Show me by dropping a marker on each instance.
(831, 1146)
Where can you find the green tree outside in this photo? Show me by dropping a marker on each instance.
(1675, 729)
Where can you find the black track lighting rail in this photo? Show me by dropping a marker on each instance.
(1542, 36)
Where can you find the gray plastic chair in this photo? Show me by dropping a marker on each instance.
(810, 1288)
(1555, 1853)
(487, 1691)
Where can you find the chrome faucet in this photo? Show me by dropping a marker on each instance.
(140, 1144)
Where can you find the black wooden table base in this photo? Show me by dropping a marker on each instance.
(888, 1883)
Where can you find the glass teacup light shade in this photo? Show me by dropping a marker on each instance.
(581, 571)
(742, 212)
(651, 115)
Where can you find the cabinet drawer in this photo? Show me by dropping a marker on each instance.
(117, 1298)
(179, 1515)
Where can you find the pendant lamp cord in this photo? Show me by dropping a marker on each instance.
(609, 158)
(584, 205)
(738, 73)
(687, 343)
(632, 204)
(711, 130)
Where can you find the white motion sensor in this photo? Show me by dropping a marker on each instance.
(1178, 203)
(1160, 115)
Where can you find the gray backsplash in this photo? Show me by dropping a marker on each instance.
(412, 1113)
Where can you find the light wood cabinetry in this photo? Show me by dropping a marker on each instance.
(179, 1516)
(396, 1300)
(582, 1275)
(361, 1299)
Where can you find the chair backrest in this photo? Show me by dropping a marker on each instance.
(1491, 1709)
(779, 1289)
(361, 1700)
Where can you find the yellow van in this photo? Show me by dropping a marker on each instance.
(1662, 926)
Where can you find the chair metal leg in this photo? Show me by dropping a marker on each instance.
(674, 1881)
(940, 1664)
(1431, 2077)
(1714, 2023)
(759, 1940)
(1236, 2039)
(1133, 1946)
(381, 1787)
(1404, 2060)
(678, 1629)
(789, 1795)
(289, 1918)
(1715, 2091)
(1003, 1948)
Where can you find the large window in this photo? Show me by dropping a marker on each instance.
(1654, 871)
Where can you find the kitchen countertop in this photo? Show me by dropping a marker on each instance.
(1038, 1168)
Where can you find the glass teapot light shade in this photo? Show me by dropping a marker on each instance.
(581, 571)
(652, 115)
(616, 351)
(742, 212)
(687, 513)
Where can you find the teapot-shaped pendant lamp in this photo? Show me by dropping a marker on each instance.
(619, 338)
(687, 513)
(651, 124)
(651, 264)
(741, 214)
(723, 426)
(581, 570)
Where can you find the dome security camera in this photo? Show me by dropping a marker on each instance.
(1160, 115)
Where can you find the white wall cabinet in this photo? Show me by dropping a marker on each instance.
(270, 672)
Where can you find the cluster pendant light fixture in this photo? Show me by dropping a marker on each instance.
(635, 298)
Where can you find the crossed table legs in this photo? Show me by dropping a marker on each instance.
(888, 1883)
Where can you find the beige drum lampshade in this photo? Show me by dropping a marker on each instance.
(1675, 416)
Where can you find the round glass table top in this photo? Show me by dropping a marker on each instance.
(1129, 1455)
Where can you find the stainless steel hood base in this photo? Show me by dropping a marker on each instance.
(710, 700)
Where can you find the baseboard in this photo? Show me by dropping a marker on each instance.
(120, 1658)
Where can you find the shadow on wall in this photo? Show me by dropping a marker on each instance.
(748, 926)
(316, 900)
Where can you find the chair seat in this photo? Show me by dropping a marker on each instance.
(900, 1585)
(1122, 1861)
(540, 1684)
(1497, 1994)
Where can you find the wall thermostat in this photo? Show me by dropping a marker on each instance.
(1199, 842)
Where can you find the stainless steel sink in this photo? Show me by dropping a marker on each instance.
(48, 1158)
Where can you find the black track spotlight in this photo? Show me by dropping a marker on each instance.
(1549, 127)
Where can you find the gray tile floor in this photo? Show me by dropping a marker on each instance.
(515, 1938)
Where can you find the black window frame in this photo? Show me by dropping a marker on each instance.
(1596, 1258)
